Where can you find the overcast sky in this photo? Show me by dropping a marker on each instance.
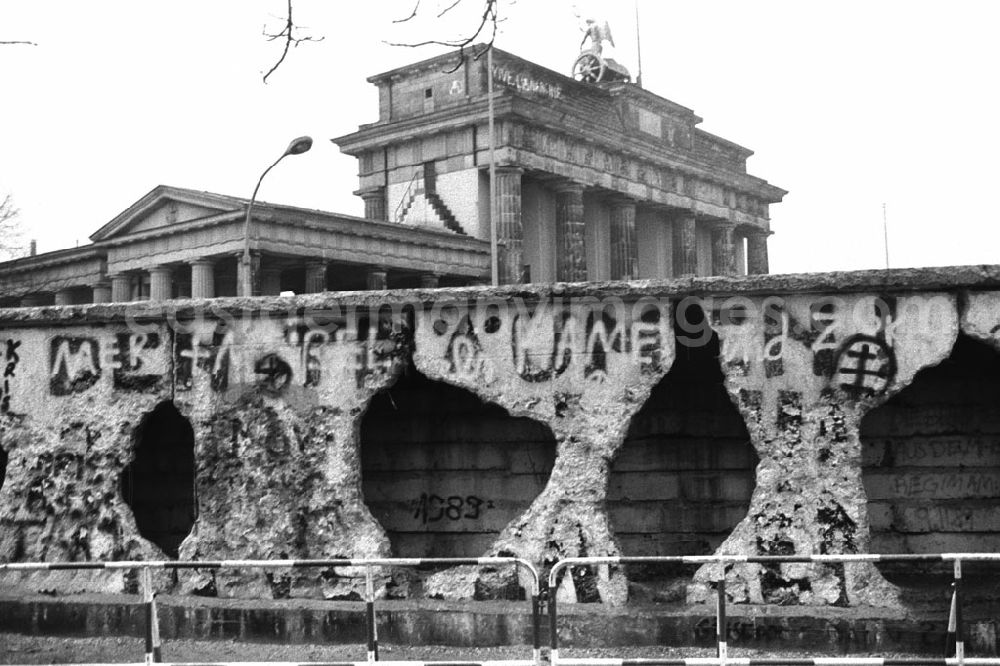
(848, 105)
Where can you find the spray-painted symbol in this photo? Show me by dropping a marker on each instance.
(865, 366)
(275, 374)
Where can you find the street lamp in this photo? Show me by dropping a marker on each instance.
(296, 147)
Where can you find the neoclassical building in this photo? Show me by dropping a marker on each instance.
(594, 181)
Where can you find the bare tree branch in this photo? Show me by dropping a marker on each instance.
(11, 232)
(416, 8)
(488, 22)
(291, 39)
(449, 8)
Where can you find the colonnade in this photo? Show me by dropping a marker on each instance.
(158, 283)
(571, 260)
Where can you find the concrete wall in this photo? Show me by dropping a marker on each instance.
(302, 450)
(685, 473)
(443, 472)
(932, 458)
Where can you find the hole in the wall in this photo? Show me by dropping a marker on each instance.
(3, 466)
(685, 473)
(158, 484)
(444, 472)
(931, 465)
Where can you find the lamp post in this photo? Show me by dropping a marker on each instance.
(296, 147)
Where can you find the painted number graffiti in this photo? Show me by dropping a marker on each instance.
(10, 361)
(432, 508)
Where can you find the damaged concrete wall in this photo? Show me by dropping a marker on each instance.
(443, 472)
(276, 393)
(932, 458)
(72, 397)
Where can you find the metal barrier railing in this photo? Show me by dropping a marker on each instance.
(955, 636)
(152, 633)
(955, 643)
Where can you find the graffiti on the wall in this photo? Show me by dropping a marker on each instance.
(859, 364)
(135, 363)
(937, 485)
(76, 363)
(301, 354)
(431, 508)
(865, 366)
(10, 359)
(273, 373)
(209, 354)
(554, 340)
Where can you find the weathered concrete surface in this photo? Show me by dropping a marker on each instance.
(275, 390)
(584, 370)
(803, 371)
(276, 405)
(981, 316)
(71, 399)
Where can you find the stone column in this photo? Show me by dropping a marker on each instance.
(429, 281)
(121, 287)
(757, 253)
(375, 208)
(202, 278)
(510, 228)
(64, 297)
(571, 241)
(161, 283)
(101, 292)
(723, 252)
(377, 278)
(685, 245)
(315, 276)
(270, 281)
(624, 251)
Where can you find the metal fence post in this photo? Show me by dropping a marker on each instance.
(370, 626)
(536, 627)
(553, 629)
(720, 619)
(957, 609)
(153, 655)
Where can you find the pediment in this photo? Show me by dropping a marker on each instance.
(163, 207)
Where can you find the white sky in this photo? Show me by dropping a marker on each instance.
(847, 105)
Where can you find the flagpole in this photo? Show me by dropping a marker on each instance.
(885, 235)
(638, 45)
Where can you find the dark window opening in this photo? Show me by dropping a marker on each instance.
(931, 465)
(685, 473)
(444, 472)
(159, 482)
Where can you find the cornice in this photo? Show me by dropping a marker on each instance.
(54, 258)
(556, 120)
